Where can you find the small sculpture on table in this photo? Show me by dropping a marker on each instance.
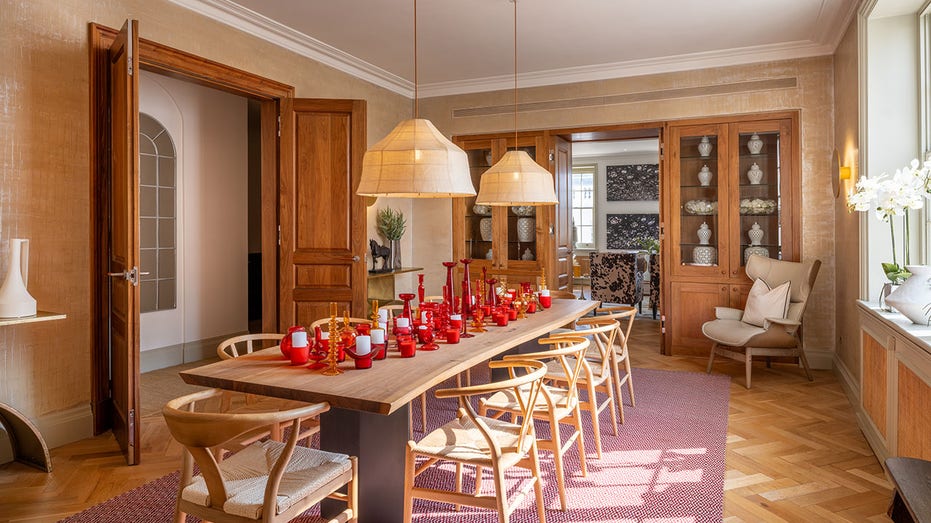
(478, 320)
(379, 251)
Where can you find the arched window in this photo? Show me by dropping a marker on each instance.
(157, 216)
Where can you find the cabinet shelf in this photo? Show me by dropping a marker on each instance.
(40, 316)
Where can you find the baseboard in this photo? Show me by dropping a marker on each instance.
(66, 426)
(852, 390)
(187, 352)
(820, 359)
(847, 381)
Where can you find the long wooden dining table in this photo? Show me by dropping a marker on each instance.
(369, 414)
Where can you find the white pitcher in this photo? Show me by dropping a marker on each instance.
(15, 300)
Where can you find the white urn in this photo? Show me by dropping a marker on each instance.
(15, 300)
(526, 229)
(755, 144)
(485, 229)
(755, 174)
(704, 146)
(756, 236)
(704, 176)
(704, 233)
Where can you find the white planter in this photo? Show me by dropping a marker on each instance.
(913, 298)
(15, 300)
(526, 229)
(484, 227)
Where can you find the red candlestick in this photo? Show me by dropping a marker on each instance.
(420, 289)
(449, 292)
(466, 289)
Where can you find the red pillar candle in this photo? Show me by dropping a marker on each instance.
(501, 319)
(407, 346)
(532, 307)
(512, 314)
(452, 335)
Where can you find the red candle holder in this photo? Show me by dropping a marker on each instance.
(363, 361)
(379, 344)
(300, 355)
(318, 354)
(407, 346)
(407, 297)
(452, 335)
(512, 314)
(285, 345)
(546, 301)
(425, 334)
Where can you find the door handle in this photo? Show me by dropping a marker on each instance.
(131, 275)
(356, 258)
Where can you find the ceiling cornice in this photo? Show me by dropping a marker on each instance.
(257, 25)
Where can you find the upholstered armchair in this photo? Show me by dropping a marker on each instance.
(654, 283)
(770, 322)
(617, 277)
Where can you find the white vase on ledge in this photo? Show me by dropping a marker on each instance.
(913, 298)
(15, 300)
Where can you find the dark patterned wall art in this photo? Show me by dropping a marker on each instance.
(636, 182)
(625, 229)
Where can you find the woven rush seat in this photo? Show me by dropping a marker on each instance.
(462, 441)
(246, 477)
(507, 400)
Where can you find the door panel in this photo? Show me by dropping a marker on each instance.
(323, 224)
(124, 239)
(563, 177)
(694, 306)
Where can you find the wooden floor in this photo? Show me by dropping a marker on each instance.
(794, 451)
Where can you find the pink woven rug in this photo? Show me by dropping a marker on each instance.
(666, 465)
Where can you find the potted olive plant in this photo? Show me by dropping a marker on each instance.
(391, 224)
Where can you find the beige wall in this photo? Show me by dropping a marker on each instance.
(684, 95)
(44, 144)
(847, 224)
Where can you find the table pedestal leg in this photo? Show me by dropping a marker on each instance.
(378, 441)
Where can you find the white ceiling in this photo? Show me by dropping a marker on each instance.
(467, 45)
(615, 148)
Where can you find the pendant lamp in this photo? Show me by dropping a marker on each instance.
(516, 179)
(415, 160)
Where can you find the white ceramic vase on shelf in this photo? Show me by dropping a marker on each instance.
(484, 228)
(756, 236)
(913, 298)
(526, 229)
(755, 144)
(755, 174)
(704, 146)
(15, 300)
(704, 254)
(704, 176)
(527, 256)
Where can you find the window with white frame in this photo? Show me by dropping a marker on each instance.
(583, 205)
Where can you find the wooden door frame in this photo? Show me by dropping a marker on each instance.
(188, 67)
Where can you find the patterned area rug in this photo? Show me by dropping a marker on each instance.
(666, 464)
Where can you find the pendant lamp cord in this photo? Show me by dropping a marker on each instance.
(416, 102)
(515, 74)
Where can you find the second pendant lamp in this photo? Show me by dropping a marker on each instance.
(516, 179)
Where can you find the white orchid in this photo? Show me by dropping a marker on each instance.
(890, 196)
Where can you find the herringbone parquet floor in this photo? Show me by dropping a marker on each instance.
(794, 452)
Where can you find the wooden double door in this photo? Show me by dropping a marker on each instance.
(312, 223)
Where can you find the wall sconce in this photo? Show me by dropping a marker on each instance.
(839, 173)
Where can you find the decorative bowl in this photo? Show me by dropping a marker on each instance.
(701, 207)
(524, 210)
(482, 210)
(757, 206)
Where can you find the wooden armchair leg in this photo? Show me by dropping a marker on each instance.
(714, 347)
(749, 365)
(804, 360)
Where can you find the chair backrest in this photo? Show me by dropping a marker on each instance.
(801, 276)
(434, 299)
(603, 332)
(324, 323)
(562, 295)
(393, 310)
(200, 432)
(617, 277)
(625, 317)
(525, 387)
(245, 344)
(569, 352)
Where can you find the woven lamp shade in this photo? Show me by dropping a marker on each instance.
(516, 180)
(415, 161)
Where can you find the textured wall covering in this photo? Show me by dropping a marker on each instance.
(805, 84)
(44, 180)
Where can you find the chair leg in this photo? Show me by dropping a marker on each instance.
(538, 484)
(501, 495)
(457, 507)
(592, 407)
(610, 390)
(479, 472)
(580, 440)
(801, 356)
(352, 490)
(423, 413)
(749, 364)
(714, 347)
(411, 464)
(616, 383)
(557, 460)
(630, 380)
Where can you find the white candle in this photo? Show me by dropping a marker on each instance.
(325, 335)
(383, 325)
(545, 292)
(455, 316)
(378, 336)
(363, 345)
(299, 339)
(404, 322)
(382, 315)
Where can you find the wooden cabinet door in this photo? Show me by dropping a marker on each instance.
(124, 240)
(322, 220)
(562, 175)
(691, 305)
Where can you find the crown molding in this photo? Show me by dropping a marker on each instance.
(684, 62)
(259, 26)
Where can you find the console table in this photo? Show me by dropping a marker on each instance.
(381, 284)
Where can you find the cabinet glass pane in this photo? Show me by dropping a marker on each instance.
(759, 178)
(700, 228)
(478, 227)
(522, 224)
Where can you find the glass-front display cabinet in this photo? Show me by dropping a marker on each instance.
(733, 192)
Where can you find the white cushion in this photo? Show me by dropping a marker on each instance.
(763, 302)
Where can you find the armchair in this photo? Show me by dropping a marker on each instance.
(617, 277)
(737, 336)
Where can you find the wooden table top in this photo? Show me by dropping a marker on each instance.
(390, 383)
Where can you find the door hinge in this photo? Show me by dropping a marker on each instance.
(132, 427)
(129, 49)
(279, 126)
(279, 235)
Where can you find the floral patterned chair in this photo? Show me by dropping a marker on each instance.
(654, 283)
(617, 277)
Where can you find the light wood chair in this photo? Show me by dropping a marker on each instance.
(246, 344)
(267, 481)
(620, 355)
(324, 323)
(596, 371)
(562, 295)
(476, 440)
(554, 405)
(434, 299)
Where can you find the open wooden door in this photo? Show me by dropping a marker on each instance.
(563, 183)
(124, 239)
(322, 239)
